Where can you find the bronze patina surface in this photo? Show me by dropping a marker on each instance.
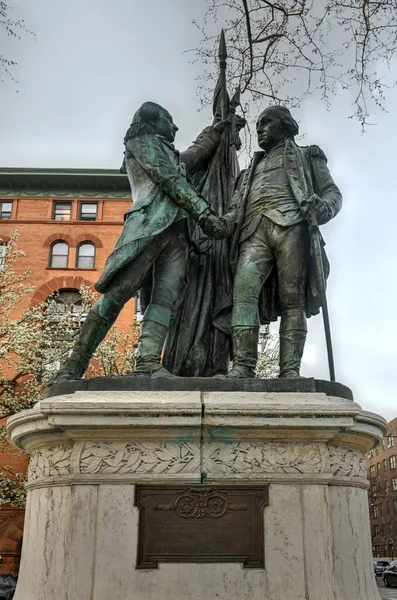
(201, 523)
(152, 252)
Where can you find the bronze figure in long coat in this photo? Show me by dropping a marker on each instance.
(271, 246)
(155, 239)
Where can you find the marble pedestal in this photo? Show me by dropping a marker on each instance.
(89, 448)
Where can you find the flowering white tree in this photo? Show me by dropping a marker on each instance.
(267, 366)
(33, 341)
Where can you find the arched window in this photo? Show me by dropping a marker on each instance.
(85, 257)
(59, 254)
(64, 316)
(62, 303)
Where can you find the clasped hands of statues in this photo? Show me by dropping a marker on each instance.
(214, 226)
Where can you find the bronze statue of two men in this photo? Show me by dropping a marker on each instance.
(266, 225)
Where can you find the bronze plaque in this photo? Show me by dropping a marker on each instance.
(200, 523)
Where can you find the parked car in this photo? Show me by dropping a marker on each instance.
(8, 584)
(393, 564)
(380, 566)
(389, 575)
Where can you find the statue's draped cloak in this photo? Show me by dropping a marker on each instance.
(198, 342)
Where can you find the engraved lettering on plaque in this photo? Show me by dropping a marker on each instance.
(201, 523)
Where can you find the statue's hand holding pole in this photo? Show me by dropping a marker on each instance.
(315, 210)
(220, 125)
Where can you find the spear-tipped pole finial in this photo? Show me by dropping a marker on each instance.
(222, 51)
(222, 54)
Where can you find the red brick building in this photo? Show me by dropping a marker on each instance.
(382, 474)
(68, 222)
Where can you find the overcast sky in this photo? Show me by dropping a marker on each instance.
(94, 62)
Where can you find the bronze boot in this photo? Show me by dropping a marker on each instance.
(245, 352)
(293, 332)
(91, 334)
(151, 342)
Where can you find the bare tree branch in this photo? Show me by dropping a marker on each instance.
(288, 49)
(12, 28)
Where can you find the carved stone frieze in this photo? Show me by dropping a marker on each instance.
(50, 461)
(171, 457)
(257, 457)
(347, 462)
(133, 457)
(103, 457)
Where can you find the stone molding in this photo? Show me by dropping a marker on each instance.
(56, 193)
(112, 458)
(167, 458)
(347, 462)
(132, 457)
(262, 458)
(50, 461)
(143, 435)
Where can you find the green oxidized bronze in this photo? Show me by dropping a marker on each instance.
(276, 273)
(274, 252)
(213, 254)
(154, 244)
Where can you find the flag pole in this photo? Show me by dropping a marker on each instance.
(222, 54)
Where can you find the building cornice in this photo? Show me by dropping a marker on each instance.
(63, 183)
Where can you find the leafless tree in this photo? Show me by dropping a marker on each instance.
(285, 50)
(12, 28)
(381, 514)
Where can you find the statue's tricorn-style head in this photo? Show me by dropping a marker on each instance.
(151, 118)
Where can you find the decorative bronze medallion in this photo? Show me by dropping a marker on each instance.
(200, 523)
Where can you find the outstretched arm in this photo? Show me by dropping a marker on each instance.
(147, 152)
(203, 148)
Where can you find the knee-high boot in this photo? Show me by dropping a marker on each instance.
(293, 332)
(151, 342)
(154, 328)
(245, 351)
(245, 333)
(99, 320)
